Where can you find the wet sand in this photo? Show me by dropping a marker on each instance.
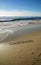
(24, 50)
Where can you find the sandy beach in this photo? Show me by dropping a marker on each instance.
(20, 32)
(24, 50)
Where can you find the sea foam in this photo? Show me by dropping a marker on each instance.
(7, 28)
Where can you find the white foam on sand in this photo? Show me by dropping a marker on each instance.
(7, 28)
(11, 26)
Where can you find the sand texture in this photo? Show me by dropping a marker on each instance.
(24, 50)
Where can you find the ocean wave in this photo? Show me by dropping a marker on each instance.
(15, 22)
(7, 28)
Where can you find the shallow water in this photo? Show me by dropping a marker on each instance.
(9, 29)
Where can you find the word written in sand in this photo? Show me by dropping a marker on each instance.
(21, 42)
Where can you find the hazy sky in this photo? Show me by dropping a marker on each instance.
(20, 7)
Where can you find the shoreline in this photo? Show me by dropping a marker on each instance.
(25, 30)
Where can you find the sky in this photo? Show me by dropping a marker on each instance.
(20, 7)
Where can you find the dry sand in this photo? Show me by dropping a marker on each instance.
(21, 51)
